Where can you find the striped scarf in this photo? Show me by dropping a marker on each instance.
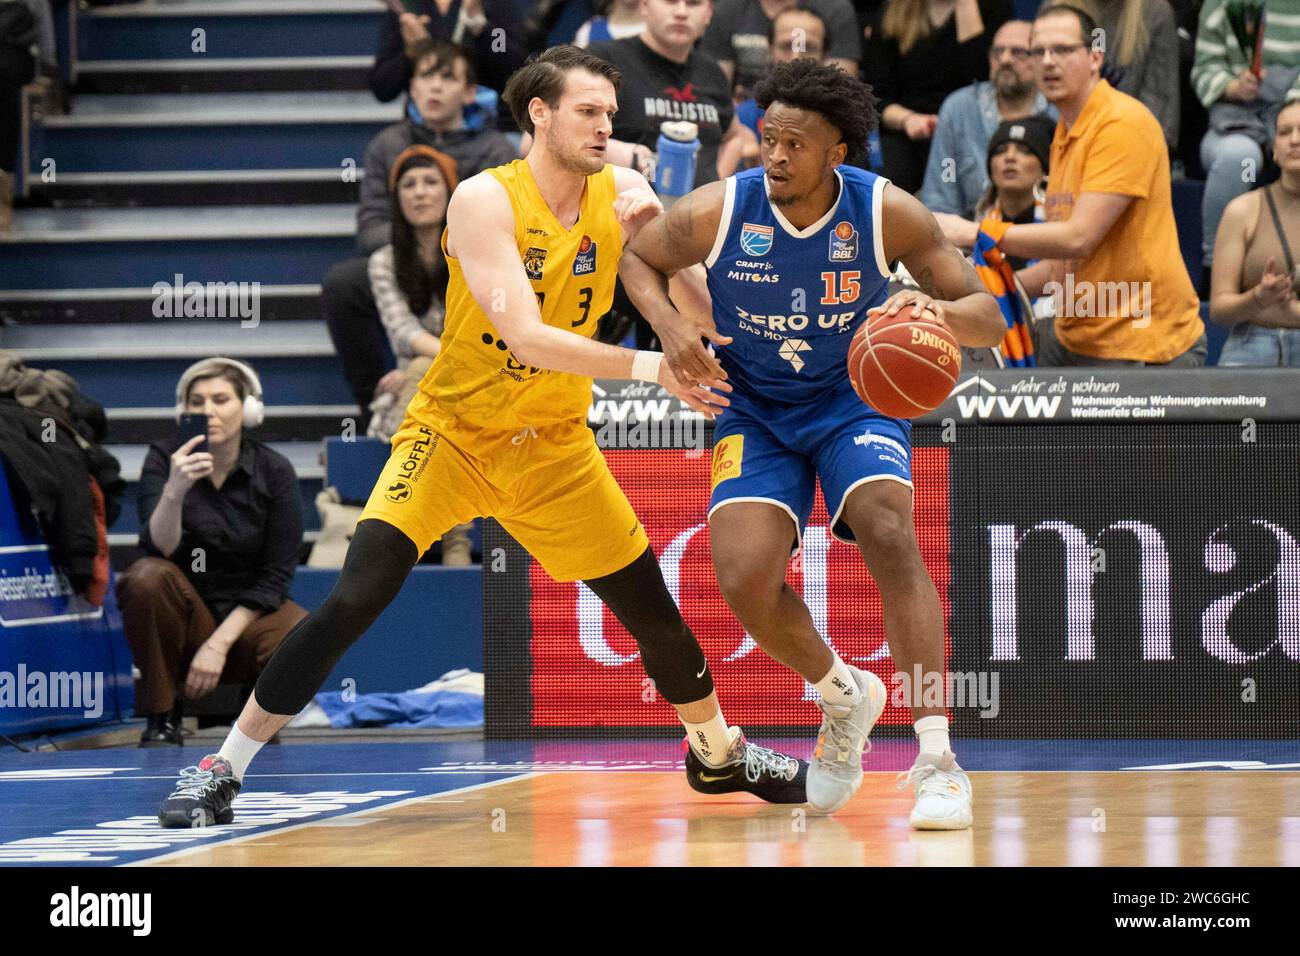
(996, 274)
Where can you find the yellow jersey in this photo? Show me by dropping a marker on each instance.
(475, 379)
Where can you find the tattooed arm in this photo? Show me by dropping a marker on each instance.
(952, 294)
(676, 243)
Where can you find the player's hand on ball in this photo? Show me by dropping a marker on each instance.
(685, 352)
(635, 207)
(705, 397)
(928, 309)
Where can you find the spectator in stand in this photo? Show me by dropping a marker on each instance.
(409, 281)
(1192, 117)
(1243, 107)
(954, 178)
(616, 20)
(666, 78)
(442, 86)
(1109, 249)
(1019, 157)
(798, 32)
(1141, 48)
(489, 30)
(555, 22)
(1255, 278)
(408, 276)
(918, 53)
(26, 41)
(740, 34)
(221, 528)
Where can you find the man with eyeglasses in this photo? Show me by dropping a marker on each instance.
(1109, 248)
(956, 174)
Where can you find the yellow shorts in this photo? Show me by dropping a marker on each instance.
(549, 487)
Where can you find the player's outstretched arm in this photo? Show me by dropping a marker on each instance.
(951, 290)
(637, 206)
(481, 235)
(673, 243)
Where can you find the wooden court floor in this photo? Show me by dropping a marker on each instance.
(1042, 818)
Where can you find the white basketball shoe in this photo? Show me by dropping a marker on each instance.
(943, 792)
(835, 771)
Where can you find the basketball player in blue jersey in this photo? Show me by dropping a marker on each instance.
(797, 253)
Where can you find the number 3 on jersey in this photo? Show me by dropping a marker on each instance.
(584, 303)
(841, 287)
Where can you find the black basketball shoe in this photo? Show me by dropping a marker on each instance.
(772, 776)
(203, 796)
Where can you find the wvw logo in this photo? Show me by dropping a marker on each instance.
(983, 406)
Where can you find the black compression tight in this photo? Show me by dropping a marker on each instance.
(379, 560)
(669, 651)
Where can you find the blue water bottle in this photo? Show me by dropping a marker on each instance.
(679, 143)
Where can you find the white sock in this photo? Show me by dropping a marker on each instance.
(933, 734)
(838, 686)
(240, 749)
(711, 740)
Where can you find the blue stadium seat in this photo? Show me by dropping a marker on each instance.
(1186, 197)
(407, 646)
(1215, 335)
(353, 466)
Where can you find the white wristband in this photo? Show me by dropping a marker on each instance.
(645, 365)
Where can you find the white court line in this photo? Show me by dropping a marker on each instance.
(276, 831)
(505, 770)
(340, 773)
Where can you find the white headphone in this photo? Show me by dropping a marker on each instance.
(254, 407)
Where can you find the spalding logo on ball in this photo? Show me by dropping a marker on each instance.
(901, 365)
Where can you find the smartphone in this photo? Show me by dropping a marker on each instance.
(191, 425)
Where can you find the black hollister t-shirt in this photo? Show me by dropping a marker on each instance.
(656, 90)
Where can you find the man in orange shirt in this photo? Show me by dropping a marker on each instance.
(1109, 248)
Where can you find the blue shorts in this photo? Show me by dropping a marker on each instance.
(775, 453)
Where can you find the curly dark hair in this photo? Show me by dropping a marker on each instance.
(844, 101)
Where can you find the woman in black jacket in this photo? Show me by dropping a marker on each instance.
(917, 52)
(221, 524)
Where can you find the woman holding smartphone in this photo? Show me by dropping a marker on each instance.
(221, 526)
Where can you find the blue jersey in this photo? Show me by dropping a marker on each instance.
(791, 299)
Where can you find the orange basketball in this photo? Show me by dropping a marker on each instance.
(903, 366)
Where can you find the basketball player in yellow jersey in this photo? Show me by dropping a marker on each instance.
(499, 429)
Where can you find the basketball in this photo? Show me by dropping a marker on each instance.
(901, 365)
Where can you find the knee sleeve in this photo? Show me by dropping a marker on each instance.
(671, 655)
(379, 559)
